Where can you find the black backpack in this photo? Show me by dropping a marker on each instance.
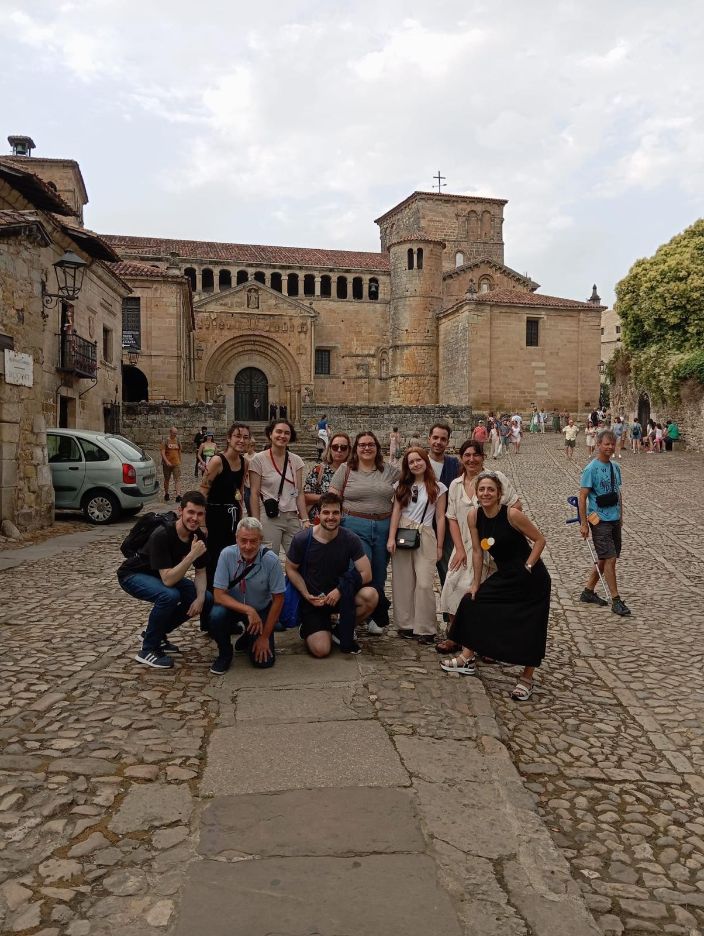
(143, 529)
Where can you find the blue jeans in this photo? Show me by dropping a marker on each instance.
(171, 605)
(223, 623)
(374, 535)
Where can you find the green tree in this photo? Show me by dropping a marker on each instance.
(661, 299)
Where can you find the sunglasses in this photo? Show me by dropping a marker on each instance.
(339, 448)
(414, 493)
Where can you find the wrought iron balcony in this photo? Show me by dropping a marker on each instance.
(77, 355)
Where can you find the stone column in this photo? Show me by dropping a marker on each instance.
(317, 285)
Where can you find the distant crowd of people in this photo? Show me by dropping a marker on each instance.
(342, 523)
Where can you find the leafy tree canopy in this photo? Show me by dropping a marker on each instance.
(661, 299)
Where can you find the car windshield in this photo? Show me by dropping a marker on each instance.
(128, 449)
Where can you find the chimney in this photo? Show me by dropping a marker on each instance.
(21, 145)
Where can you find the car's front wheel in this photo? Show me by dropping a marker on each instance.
(101, 507)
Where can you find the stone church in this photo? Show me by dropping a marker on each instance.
(436, 317)
(433, 324)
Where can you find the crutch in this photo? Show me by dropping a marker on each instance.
(574, 502)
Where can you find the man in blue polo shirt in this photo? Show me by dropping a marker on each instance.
(601, 513)
(249, 591)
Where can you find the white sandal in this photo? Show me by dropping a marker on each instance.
(466, 666)
(522, 691)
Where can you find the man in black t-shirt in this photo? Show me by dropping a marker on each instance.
(327, 565)
(158, 574)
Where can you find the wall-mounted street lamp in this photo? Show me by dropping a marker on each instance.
(70, 270)
(602, 367)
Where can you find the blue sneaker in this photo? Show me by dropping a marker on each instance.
(166, 645)
(156, 659)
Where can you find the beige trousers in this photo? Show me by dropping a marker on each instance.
(412, 585)
(280, 531)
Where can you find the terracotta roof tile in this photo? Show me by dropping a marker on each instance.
(13, 222)
(127, 268)
(518, 297)
(35, 190)
(250, 254)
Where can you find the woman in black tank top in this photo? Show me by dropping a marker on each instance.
(222, 484)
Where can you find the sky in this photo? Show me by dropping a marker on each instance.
(298, 123)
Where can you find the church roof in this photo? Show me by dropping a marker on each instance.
(440, 196)
(127, 268)
(251, 254)
(15, 222)
(26, 161)
(34, 189)
(520, 298)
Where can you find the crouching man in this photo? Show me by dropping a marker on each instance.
(328, 567)
(157, 573)
(249, 591)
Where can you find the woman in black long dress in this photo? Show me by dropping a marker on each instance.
(506, 617)
(222, 484)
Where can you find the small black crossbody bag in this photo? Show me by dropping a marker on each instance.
(610, 499)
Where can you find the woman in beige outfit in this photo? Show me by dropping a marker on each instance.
(460, 498)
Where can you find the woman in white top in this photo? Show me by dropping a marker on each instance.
(419, 498)
(460, 499)
(276, 482)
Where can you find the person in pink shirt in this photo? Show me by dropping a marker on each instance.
(480, 433)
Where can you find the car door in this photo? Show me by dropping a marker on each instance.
(67, 468)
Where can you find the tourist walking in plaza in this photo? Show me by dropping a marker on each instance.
(276, 482)
(671, 434)
(415, 548)
(394, 445)
(207, 448)
(570, 432)
(534, 421)
(505, 433)
(480, 433)
(171, 463)
(618, 430)
(198, 439)
(249, 595)
(157, 573)
(446, 468)
(542, 419)
(590, 438)
(327, 565)
(366, 485)
(318, 480)
(461, 497)
(601, 517)
(506, 616)
(495, 440)
(223, 486)
(516, 435)
(636, 436)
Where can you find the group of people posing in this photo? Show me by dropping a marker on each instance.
(340, 526)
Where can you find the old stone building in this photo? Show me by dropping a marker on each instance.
(60, 361)
(435, 318)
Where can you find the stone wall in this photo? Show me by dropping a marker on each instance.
(148, 423)
(688, 413)
(382, 419)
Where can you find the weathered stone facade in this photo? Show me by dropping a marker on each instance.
(74, 347)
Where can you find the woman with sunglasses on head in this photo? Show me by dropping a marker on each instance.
(276, 483)
(366, 483)
(506, 616)
(461, 497)
(319, 478)
(419, 498)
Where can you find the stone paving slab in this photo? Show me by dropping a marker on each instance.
(293, 669)
(394, 895)
(291, 705)
(260, 758)
(348, 821)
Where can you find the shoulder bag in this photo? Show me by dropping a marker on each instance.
(610, 499)
(409, 538)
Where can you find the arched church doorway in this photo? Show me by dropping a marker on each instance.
(251, 395)
(643, 409)
(135, 386)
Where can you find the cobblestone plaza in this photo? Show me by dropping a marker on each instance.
(368, 794)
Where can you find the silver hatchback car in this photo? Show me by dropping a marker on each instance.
(101, 474)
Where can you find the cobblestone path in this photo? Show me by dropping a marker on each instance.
(612, 743)
(100, 759)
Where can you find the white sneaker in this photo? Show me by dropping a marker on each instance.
(374, 630)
